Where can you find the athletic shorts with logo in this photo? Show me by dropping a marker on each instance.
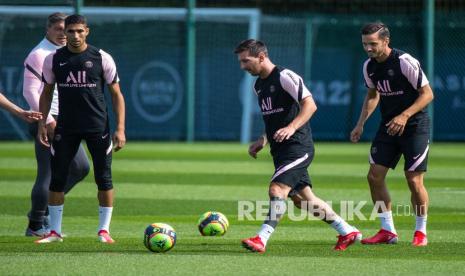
(413, 144)
(291, 169)
(64, 147)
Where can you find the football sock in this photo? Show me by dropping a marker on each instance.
(265, 233)
(104, 218)
(56, 216)
(387, 223)
(341, 226)
(276, 211)
(421, 224)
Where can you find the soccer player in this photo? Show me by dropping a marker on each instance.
(28, 116)
(32, 87)
(286, 106)
(80, 71)
(395, 80)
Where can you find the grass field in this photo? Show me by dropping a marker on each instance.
(175, 183)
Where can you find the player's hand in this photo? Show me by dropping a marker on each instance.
(42, 134)
(51, 129)
(397, 124)
(30, 116)
(356, 134)
(256, 147)
(284, 133)
(119, 139)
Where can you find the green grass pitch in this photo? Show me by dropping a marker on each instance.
(175, 183)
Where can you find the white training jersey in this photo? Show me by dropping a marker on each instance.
(33, 85)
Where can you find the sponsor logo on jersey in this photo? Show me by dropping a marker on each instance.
(390, 72)
(272, 88)
(77, 79)
(266, 104)
(267, 107)
(81, 77)
(384, 88)
(88, 64)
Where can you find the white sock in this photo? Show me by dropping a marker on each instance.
(387, 223)
(104, 218)
(265, 233)
(421, 224)
(56, 216)
(341, 226)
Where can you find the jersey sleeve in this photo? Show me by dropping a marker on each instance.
(294, 85)
(368, 82)
(411, 69)
(32, 83)
(109, 68)
(47, 73)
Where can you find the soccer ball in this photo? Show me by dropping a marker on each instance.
(159, 237)
(213, 224)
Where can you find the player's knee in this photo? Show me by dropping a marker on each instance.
(57, 186)
(104, 185)
(415, 184)
(276, 191)
(103, 180)
(374, 179)
(297, 201)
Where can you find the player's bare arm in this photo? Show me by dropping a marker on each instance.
(119, 137)
(397, 125)
(257, 146)
(308, 107)
(45, 102)
(28, 116)
(369, 105)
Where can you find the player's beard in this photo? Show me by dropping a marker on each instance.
(253, 73)
(374, 54)
(75, 44)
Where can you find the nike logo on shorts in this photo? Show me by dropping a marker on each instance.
(104, 136)
(415, 157)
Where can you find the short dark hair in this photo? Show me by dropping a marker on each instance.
(75, 19)
(254, 47)
(376, 27)
(55, 18)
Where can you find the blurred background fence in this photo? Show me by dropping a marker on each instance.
(321, 43)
